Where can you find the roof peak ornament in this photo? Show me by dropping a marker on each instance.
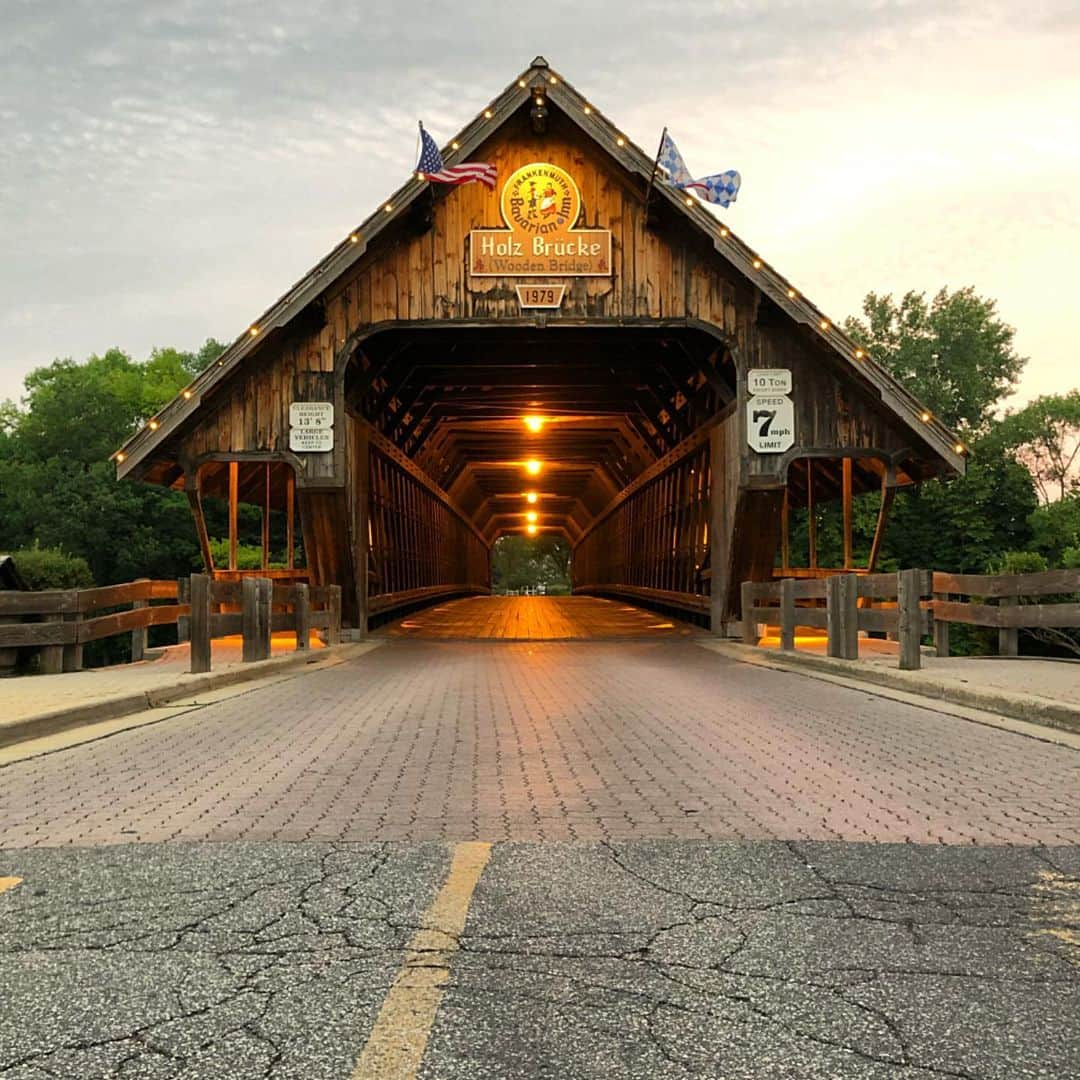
(539, 62)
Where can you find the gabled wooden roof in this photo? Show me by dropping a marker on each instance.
(634, 159)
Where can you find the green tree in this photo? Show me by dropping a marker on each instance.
(1045, 436)
(960, 525)
(1055, 529)
(953, 353)
(522, 561)
(58, 488)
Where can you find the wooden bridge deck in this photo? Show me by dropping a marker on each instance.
(537, 618)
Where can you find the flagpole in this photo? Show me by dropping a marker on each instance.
(652, 178)
(430, 186)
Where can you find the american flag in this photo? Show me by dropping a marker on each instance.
(431, 167)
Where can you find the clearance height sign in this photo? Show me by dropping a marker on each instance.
(540, 205)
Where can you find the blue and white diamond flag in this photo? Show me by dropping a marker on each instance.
(720, 188)
(671, 161)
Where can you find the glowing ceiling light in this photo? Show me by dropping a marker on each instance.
(959, 447)
(926, 418)
(532, 466)
(531, 497)
(120, 455)
(531, 530)
(187, 395)
(534, 423)
(531, 516)
(153, 425)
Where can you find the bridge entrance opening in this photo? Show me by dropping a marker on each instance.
(535, 435)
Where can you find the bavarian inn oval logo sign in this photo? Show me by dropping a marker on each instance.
(540, 204)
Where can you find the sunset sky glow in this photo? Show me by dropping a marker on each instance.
(168, 170)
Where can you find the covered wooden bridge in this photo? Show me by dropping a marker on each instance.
(584, 344)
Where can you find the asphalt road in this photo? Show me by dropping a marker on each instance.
(682, 867)
(646, 959)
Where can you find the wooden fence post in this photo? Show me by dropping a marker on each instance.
(200, 622)
(941, 628)
(909, 617)
(266, 616)
(333, 632)
(749, 623)
(787, 614)
(1008, 636)
(302, 614)
(73, 653)
(256, 595)
(249, 602)
(52, 656)
(183, 622)
(138, 635)
(842, 616)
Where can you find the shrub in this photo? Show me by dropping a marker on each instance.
(1018, 562)
(50, 568)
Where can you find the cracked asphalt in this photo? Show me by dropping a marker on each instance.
(699, 869)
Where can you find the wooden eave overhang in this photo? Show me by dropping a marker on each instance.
(757, 272)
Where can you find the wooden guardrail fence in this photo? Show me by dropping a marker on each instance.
(1009, 615)
(255, 607)
(842, 617)
(910, 605)
(59, 622)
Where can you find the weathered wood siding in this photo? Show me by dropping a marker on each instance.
(668, 273)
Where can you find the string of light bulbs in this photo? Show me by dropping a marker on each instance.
(823, 324)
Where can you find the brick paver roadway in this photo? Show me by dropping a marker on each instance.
(604, 860)
(610, 741)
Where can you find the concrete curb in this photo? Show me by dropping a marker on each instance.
(51, 723)
(1032, 710)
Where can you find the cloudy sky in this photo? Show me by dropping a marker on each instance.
(167, 169)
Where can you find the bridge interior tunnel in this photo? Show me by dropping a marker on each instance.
(537, 431)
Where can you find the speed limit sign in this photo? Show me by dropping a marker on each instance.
(770, 423)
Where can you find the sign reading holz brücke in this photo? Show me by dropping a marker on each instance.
(540, 204)
(311, 426)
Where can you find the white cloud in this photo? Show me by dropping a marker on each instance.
(170, 168)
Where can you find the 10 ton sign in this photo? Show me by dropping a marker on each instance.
(770, 413)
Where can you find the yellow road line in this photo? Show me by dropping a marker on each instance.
(8, 883)
(397, 1042)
